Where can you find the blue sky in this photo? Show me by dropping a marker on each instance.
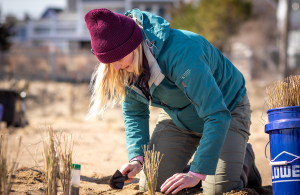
(33, 7)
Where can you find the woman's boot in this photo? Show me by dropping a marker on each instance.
(250, 174)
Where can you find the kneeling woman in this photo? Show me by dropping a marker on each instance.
(205, 108)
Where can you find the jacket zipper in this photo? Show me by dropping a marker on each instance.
(138, 91)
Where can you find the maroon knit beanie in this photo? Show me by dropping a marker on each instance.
(113, 36)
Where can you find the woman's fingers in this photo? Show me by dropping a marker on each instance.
(125, 169)
(178, 182)
(132, 173)
(136, 169)
(175, 184)
(182, 186)
(167, 181)
(129, 180)
(131, 169)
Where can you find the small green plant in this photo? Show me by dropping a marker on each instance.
(152, 160)
(7, 168)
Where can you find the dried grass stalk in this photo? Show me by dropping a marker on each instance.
(50, 162)
(152, 160)
(7, 168)
(283, 94)
(65, 152)
(58, 159)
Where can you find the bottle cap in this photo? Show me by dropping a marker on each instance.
(75, 166)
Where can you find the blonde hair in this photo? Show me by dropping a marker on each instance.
(108, 85)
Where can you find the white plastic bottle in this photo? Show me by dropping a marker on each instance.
(75, 180)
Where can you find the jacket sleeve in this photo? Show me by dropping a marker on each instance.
(192, 74)
(136, 118)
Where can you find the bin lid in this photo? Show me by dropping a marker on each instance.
(282, 124)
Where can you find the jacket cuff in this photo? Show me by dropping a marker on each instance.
(139, 158)
(207, 167)
(199, 175)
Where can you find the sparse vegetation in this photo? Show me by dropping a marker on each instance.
(152, 160)
(7, 168)
(50, 162)
(65, 146)
(58, 159)
(215, 20)
(285, 93)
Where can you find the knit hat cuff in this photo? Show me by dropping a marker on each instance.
(123, 50)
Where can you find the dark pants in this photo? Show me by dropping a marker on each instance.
(178, 147)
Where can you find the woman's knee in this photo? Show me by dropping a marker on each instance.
(212, 187)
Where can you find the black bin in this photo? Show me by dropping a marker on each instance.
(14, 114)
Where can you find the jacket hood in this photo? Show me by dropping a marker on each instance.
(156, 28)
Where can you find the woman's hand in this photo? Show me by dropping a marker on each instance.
(179, 181)
(131, 169)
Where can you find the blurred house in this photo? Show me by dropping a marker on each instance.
(293, 50)
(65, 30)
(61, 40)
(254, 50)
(57, 46)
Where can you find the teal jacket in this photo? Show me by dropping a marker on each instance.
(192, 81)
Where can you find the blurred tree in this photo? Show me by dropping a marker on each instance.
(6, 30)
(215, 20)
(27, 17)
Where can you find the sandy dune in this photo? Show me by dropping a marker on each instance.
(103, 149)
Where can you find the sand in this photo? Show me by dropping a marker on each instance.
(31, 181)
(102, 147)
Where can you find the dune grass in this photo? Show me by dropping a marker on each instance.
(284, 93)
(65, 145)
(7, 167)
(58, 158)
(50, 162)
(152, 160)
